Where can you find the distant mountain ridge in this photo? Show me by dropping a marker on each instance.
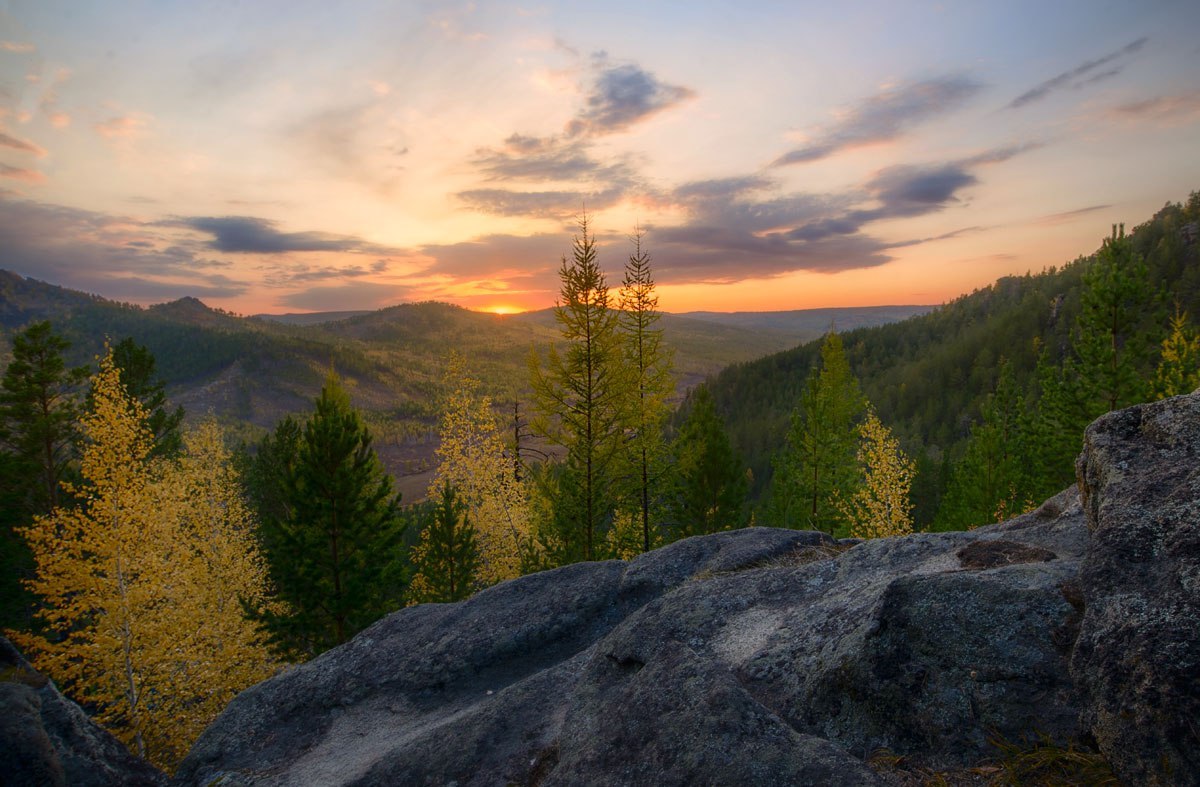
(251, 371)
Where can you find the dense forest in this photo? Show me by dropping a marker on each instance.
(929, 377)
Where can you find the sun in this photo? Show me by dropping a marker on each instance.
(502, 309)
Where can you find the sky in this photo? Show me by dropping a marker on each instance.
(313, 156)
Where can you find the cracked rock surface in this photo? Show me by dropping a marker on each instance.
(767, 656)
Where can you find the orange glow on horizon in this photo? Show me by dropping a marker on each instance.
(502, 308)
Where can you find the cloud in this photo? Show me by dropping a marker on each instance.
(543, 159)
(885, 116)
(17, 46)
(23, 145)
(621, 96)
(18, 173)
(1069, 215)
(737, 229)
(346, 297)
(1079, 76)
(122, 126)
(492, 255)
(540, 204)
(1161, 109)
(247, 234)
(102, 253)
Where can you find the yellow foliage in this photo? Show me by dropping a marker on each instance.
(880, 507)
(141, 582)
(1179, 365)
(625, 537)
(473, 459)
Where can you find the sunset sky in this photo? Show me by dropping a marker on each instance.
(309, 156)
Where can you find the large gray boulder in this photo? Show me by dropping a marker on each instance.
(778, 657)
(751, 657)
(1137, 659)
(45, 739)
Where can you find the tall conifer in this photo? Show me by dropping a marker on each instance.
(650, 366)
(582, 397)
(333, 548)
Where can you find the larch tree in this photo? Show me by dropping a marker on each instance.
(710, 481)
(582, 397)
(138, 583)
(880, 506)
(333, 542)
(472, 457)
(818, 462)
(446, 559)
(649, 363)
(1179, 364)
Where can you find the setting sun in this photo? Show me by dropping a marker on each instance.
(502, 309)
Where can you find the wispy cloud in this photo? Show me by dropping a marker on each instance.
(1164, 110)
(542, 204)
(104, 253)
(17, 46)
(1083, 74)
(618, 97)
(20, 173)
(885, 116)
(737, 229)
(122, 126)
(23, 145)
(251, 235)
(1069, 215)
(543, 159)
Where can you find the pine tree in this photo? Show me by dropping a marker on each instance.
(880, 506)
(446, 560)
(472, 458)
(136, 364)
(650, 364)
(582, 399)
(710, 481)
(817, 464)
(989, 483)
(39, 424)
(334, 553)
(1179, 365)
(1113, 337)
(39, 412)
(142, 582)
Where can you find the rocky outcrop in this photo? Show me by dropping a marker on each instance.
(777, 657)
(1137, 659)
(755, 656)
(45, 739)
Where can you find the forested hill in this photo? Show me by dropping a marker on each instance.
(928, 376)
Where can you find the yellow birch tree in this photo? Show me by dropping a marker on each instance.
(880, 507)
(127, 586)
(472, 459)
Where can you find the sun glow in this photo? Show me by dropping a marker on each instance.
(502, 309)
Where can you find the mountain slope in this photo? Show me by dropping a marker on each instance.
(928, 375)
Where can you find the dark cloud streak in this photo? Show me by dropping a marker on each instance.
(1075, 76)
(885, 116)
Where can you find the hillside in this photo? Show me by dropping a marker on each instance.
(250, 372)
(928, 375)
